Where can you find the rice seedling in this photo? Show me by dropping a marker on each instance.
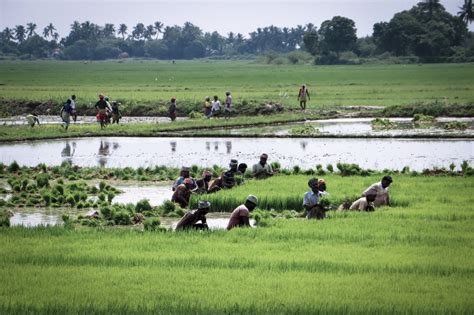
(455, 125)
(382, 123)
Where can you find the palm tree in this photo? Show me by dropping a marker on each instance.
(49, 30)
(55, 36)
(122, 30)
(158, 28)
(20, 33)
(109, 30)
(467, 13)
(7, 34)
(149, 32)
(30, 28)
(138, 31)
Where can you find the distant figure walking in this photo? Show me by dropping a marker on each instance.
(172, 109)
(101, 107)
(66, 114)
(207, 106)
(228, 105)
(116, 115)
(303, 96)
(73, 107)
(216, 108)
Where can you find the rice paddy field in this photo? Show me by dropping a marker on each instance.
(136, 82)
(413, 258)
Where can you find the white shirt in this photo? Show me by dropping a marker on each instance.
(216, 106)
(382, 194)
(73, 104)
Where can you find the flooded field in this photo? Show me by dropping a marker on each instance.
(306, 152)
(56, 120)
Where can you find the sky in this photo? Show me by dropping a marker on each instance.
(242, 16)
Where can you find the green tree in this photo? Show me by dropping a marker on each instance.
(48, 30)
(337, 35)
(109, 30)
(467, 12)
(30, 29)
(158, 28)
(430, 7)
(122, 30)
(311, 42)
(138, 31)
(20, 33)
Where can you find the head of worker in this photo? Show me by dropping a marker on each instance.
(242, 168)
(189, 183)
(263, 159)
(386, 181)
(184, 172)
(207, 176)
(233, 165)
(371, 197)
(321, 185)
(173, 99)
(251, 202)
(204, 206)
(101, 97)
(207, 98)
(216, 98)
(73, 97)
(227, 93)
(69, 101)
(313, 184)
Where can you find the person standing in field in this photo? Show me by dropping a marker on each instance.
(66, 114)
(101, 107)
(73, 107)
(172, 109)
(190, 219)
(241, 215)
(380, 189)
(262, 169)
(311, 201)
(116, 115)
(207, 106)
(32, 120)
(216, 108)
(228, 105)
(303, 96)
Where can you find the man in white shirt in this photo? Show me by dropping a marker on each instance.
(380, 189)
(364, 203)
(73, 108)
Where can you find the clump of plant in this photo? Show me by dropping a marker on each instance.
(195, 115)
(143, 205)
(455, 125)
(420, 119)
(13, 167)
(382, 123)
(304, 130)
(42, 180)
(152, 224)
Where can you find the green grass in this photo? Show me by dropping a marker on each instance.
(413, 259)
(147, 82)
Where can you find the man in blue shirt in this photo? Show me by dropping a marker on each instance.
(311, 201)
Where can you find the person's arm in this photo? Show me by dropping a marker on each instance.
(270, 170)
(307, 93)
(245, 220)
(61, 112)
(96, 106)
(37, 120)
(388, 200)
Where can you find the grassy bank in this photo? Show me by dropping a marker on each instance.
(411, 259)
(146, 86)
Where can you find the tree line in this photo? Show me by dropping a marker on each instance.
(426, 31)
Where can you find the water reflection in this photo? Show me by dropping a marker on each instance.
(216, 146)
(105, 151)
(228, 145)
(303, 144)
(173, 146)
(208, 146)
(67, 151)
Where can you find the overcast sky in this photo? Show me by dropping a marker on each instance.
(242, 16)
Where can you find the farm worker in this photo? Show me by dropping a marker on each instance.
(207, 106)
(242, 168)
(228, 104)
(190, 219)
(262, 169)
(303, 96)
(217, 184)
(229, 176)
(380, 189)
(322, 187)
(116, 115)
(66, 114)
(240, 216)
(101, 107)
(203, 183)
(172, 109)
(32, 119)
(183, 192)
(311, 201)
(182, 176)
(109, 109)
(364, 203)
(216, 107)
(73, 107)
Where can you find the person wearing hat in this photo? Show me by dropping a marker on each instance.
(311, 201)
(101, 107)
(380, 189)
(228, 105)
(262, 169)
(172, 109)
(182, 176)
(303, 96)
(203, 183)
(183, 192)
(207, 106)
(190, 219)
(240, 216)
(228, 180)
